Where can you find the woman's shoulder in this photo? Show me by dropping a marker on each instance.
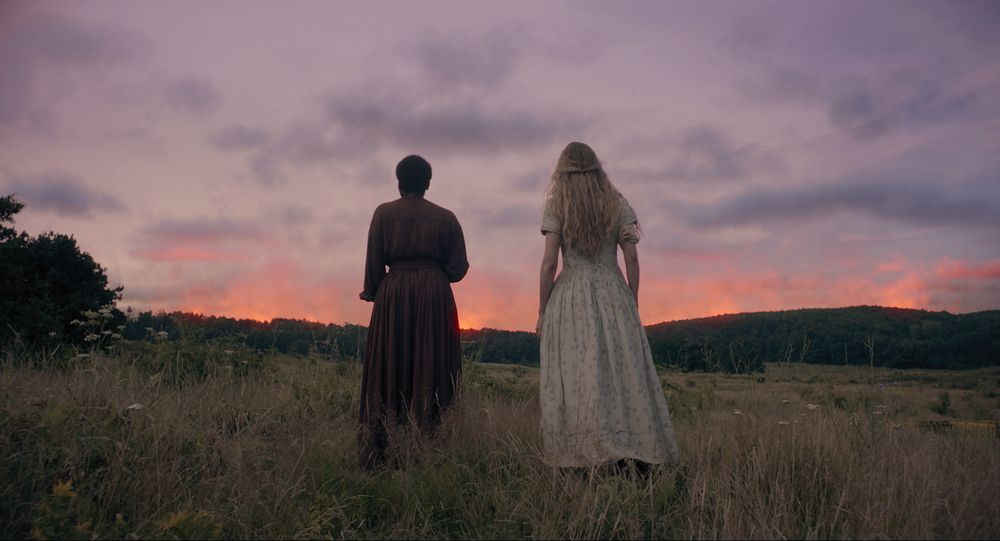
(437, 210)
(627, 212)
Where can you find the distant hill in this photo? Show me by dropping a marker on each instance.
(897, 337)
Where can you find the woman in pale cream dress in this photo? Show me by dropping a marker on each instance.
(601, 399)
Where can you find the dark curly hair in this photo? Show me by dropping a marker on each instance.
(414, 174)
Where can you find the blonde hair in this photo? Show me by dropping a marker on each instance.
(583, 200)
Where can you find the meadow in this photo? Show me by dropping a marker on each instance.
(158, 441)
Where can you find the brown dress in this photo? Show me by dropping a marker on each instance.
(413, 352)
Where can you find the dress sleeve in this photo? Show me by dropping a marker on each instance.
(375, 259)
(458, 262)
(629, 231)
(550, 224)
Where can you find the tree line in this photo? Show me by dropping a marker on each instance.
(739, 343)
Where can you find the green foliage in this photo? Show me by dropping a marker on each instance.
(8, 208)
(943, 404)
(302, 338)
(899, 338)
(736, 344)
(498, 346)
(46, 282)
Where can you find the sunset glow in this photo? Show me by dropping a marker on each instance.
(226, 159)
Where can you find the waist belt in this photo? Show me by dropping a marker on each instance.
(412, 264)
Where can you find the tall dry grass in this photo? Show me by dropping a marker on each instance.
(271, 454)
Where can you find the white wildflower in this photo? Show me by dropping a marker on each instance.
(738, 412)
(782, 423)
(786, 401)
(52, 333)
(91, 337)
(812, 407)
(136, 406)
(82, 355)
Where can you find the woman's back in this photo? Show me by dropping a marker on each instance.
(607, 254)
(413, 227)
(600, 395)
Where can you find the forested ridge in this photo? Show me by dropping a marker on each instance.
(862, 335)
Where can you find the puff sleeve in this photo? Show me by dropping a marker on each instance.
(550, 224)
(629, 230)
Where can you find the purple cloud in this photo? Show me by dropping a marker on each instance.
(36, 45)
(521, 216)
(865, 109)
(709, 153)
(239, 137)
(358, 124)
(480, 63)
(61, 193)
(918, 201)
(451, 125)
(193, 94)
(201, 230)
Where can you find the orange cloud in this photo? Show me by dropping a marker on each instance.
(182, 253)
(951, 269)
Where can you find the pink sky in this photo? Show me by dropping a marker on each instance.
(225, 157)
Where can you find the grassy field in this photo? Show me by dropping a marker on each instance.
(134, 445)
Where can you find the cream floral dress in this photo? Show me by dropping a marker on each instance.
(601, 399)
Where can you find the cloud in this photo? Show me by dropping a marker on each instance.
(62, 193)
(708, 153)
(533, 181)
(294, 215)
(40, 51)
(950, 269)
(239, 137)
(520, 216)
(193, 94)
(882, 196)
(356, 125)
(867, 109)
(460, 124)
(203, 230)
(782, 83)
(479, 63)
(199, 240)
(301, 143)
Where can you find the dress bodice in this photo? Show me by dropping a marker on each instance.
(607, 257)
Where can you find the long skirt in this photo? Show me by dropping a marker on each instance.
(412, 356)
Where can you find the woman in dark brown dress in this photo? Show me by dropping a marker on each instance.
(413, 352)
